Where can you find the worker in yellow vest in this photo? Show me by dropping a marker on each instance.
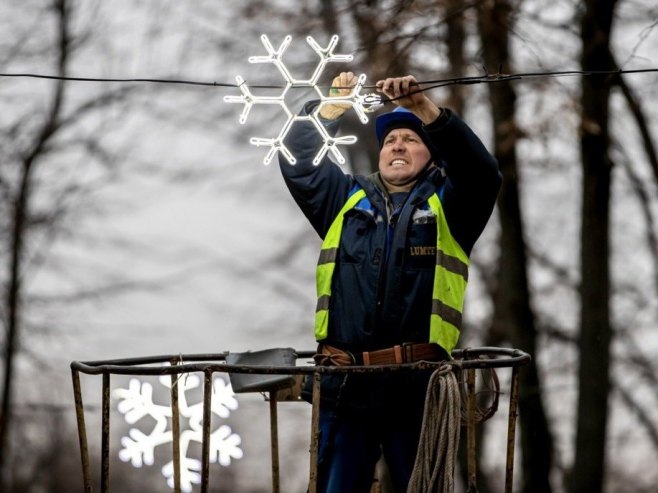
(392, 272)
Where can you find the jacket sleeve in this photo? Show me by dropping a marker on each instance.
(473, 179)
(320, 191)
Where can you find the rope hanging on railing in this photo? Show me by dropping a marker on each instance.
(445, 412)
(439, 440)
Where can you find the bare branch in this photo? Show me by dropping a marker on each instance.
(642, 124)
(643, 415)
(644, 201)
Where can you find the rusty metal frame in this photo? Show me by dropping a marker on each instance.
(467, 360)
(470, 432)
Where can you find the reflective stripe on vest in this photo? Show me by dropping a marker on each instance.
(450, 277)
(326, 265)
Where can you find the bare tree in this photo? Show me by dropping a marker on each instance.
(514, 320)
(595, 327)
(39, 201)
(19, 207)
(455, 43)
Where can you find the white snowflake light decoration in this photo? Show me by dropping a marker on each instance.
(136, 402)
(360, 103)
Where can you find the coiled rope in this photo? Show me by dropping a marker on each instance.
(446, 404)
(439, 440)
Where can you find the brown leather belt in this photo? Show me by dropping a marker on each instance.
(404, 353)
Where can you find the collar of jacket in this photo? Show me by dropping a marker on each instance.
(428, 182)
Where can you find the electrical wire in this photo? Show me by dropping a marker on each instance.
(156, 81)
(427, 84)
(501, 77)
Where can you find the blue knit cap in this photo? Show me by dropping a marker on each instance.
(401, 118)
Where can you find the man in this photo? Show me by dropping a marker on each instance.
(392, 271)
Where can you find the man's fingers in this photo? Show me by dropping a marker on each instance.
(350, 79)
(404, 86)
(393, 86)
(342, 83)
(398, 87)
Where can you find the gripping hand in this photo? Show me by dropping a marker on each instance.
(340, 87)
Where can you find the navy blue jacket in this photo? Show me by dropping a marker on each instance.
(382, 285)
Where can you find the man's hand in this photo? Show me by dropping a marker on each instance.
(340, 87)
(405, 92)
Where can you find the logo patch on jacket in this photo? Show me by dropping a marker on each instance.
(416, 251)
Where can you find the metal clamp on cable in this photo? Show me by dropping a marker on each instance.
(371, 102)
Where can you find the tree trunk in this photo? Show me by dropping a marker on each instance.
(19, 232)
(595, 327)
(514, 319)
(455, 46)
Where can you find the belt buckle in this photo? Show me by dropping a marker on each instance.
(407, 352)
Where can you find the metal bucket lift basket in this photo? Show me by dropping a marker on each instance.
(282, 380)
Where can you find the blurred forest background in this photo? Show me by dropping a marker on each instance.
(136, 219)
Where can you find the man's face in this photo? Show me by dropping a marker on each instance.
(402, 157)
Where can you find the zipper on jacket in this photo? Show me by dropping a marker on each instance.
(391, 222)
(383, 264)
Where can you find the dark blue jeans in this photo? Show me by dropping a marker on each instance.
(352, 443)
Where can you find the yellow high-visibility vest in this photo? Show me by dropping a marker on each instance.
(326, 265)
(450, 277)
(450, 280)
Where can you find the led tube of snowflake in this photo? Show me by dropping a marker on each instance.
(138, 448)
(360, 103)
